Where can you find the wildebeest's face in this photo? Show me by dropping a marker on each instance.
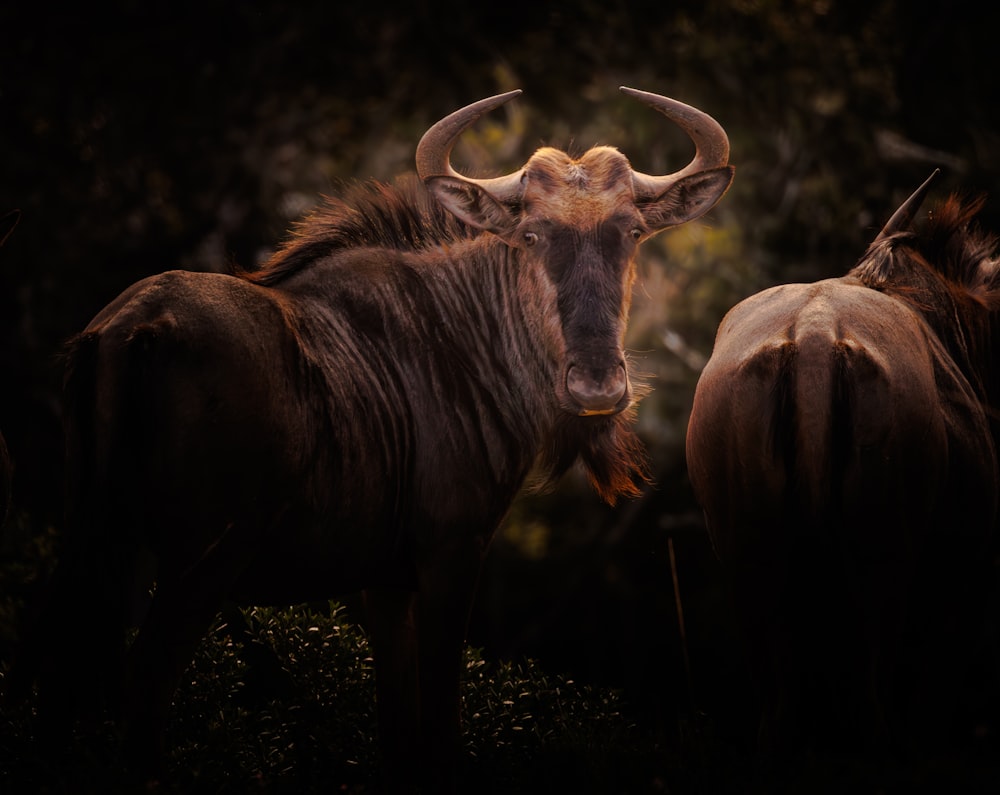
(579, 226)
(578, 223)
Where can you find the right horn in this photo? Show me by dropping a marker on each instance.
(710, 141)
(434, 149)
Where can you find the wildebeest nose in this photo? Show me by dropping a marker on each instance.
(597, 391)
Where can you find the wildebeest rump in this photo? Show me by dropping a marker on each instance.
(843, 445)
(359, 414)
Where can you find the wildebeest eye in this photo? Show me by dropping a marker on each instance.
(530, 238)
(636, 233)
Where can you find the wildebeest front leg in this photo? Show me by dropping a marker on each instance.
(392, 622)
(419, 638)
(447, 587)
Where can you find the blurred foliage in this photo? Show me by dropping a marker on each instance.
(138, 138)
(194, 135)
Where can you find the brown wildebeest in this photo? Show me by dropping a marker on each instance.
(359, 414)
(842, 443)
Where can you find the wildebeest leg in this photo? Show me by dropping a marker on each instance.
(944, 623)
(182, 610)
(419, 640)
(392, 622)
(447, 587)
(70, 648)
(162, 650)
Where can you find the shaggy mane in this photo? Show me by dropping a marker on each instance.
(948, 244)
(400, 215)
(404, 216)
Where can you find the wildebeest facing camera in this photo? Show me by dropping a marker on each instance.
(358, 415)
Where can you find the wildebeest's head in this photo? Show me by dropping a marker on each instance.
(579, 221)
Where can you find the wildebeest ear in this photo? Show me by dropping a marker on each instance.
(470, 203)
(688, 198)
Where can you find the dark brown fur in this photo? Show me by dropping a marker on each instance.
(843, 444)
(356, 415)
(404, 217)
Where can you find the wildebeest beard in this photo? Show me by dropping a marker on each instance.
(611, 454)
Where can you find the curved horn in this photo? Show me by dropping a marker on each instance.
(434, 149)
(904, 215)
(710, 141)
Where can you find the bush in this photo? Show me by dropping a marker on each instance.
(283, 701)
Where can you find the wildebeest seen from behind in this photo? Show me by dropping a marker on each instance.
(359, 415)
(843, 445)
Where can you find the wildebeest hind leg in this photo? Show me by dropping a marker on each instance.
(181, 613)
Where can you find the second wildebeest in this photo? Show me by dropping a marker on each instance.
(843, 443)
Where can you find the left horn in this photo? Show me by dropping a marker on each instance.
(710, 141)
(902, 218)
(434, 149)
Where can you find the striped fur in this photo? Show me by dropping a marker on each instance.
(358, 414)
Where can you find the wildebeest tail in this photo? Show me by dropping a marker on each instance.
(814, 406)
(79, 386)
(103, 501)
(80, 616)
(811, 426)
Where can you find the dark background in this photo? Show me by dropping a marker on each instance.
(139, 137)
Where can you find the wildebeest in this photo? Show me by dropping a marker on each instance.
(842, 443)
(358, 414)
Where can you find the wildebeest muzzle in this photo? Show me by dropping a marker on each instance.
(597, 390)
